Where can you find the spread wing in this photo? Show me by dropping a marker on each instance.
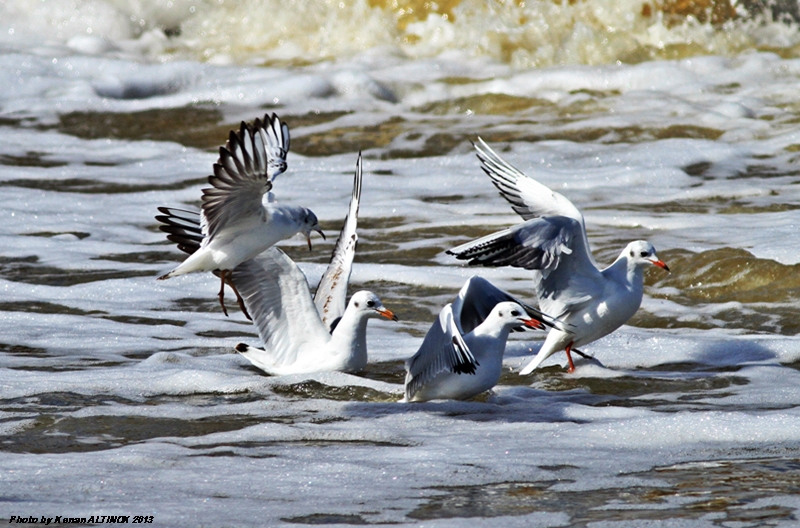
(331, 294)
(442, 350)
(528, 197)
(276, 294)
(247, 164)
(477, 299)
(555, 247)
(182, 227)
(275, 136)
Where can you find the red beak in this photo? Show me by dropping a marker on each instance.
(660, 264)
(533, 323)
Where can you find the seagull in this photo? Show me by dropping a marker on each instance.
(589, 302)
(462, 353)
(235, 224)
(301, 334)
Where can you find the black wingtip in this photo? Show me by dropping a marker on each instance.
(465, 368)
(241, 347)
(465, 364)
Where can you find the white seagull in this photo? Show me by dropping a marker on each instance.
(590, 302)
(236, 225)
(462, 353)
(301, 335)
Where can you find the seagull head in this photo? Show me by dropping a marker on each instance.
(643, 253)
(310, 223)
(368, 304)
(513, 315)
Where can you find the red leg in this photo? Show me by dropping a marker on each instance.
(571, 368)
(221, 294)
(240, 301)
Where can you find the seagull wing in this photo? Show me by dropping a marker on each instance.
(331, 294)
(239, 181)
(276, 294)
(555, 247)
(274, 134)
(183, 228)
(477, 299)
(528, 197)
(442, 350)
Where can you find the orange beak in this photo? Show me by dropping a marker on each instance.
(533, 323)
(387, 314)
(660, 264)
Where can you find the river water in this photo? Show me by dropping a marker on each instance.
(121, 395)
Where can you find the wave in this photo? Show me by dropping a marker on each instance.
(522, 33)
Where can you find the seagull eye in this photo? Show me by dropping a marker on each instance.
(644, 254)
(371, 304)
(515, 313)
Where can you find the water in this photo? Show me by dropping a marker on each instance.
(121, 395)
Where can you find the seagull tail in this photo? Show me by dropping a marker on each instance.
(257, 356)
(535, 362)
(182, 269)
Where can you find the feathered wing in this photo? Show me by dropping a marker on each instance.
(536, 244)
(275, 135)
(331, 295)
(276, 294)
(182, 227)
(442, 350)
(529, 198)
(240, 179)
(477, 299)
(555, 247)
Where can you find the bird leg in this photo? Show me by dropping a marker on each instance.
(571, 368)
(221, 293)
(222, 276)
(240, 301)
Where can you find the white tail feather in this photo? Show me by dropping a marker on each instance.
(535, 362)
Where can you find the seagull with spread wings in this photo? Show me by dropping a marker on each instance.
(300, 333)
(236, 224)
(552, 241)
